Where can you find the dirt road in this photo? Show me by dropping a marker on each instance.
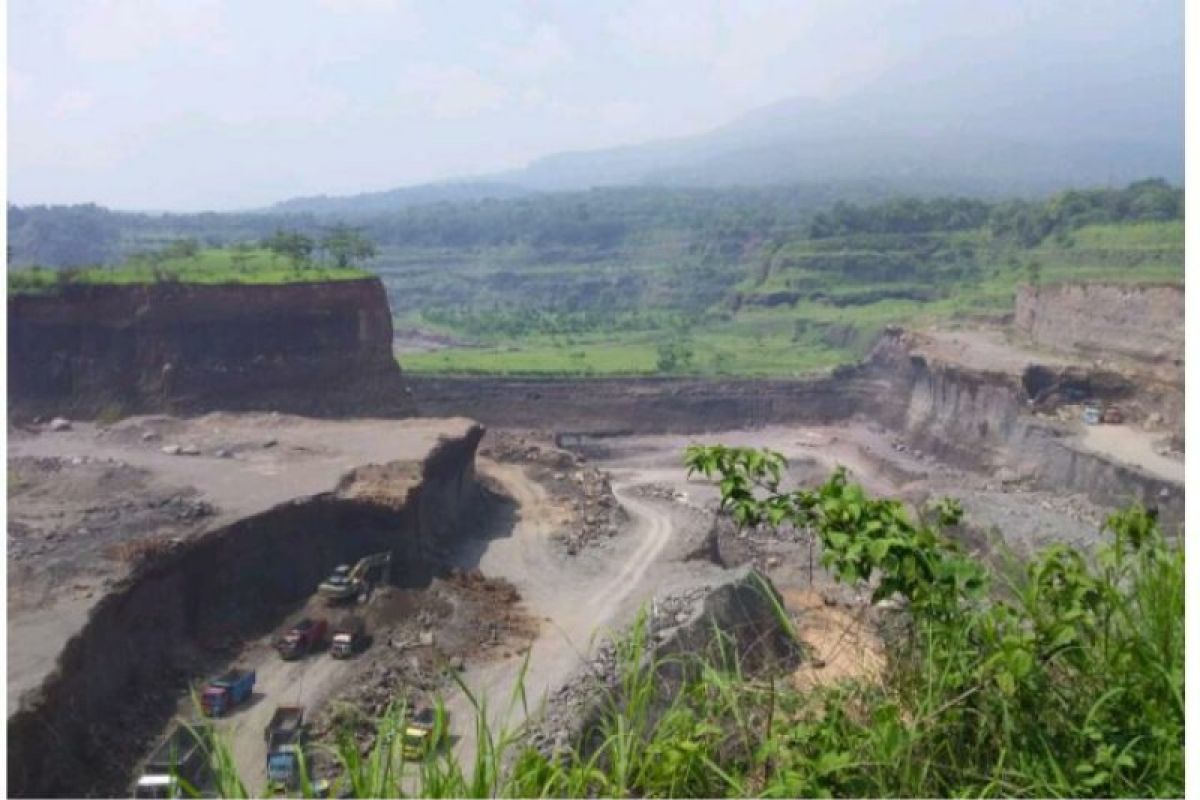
(577, 598)
(308, 682)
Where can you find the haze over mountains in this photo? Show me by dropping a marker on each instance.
(1022, 126)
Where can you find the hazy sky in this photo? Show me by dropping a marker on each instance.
(218, 104)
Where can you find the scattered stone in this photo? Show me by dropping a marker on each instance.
(60, 424)
(270, 443)
(149, 436)
(223, 453)
(189, 450)
(172, 449)
(426, 638)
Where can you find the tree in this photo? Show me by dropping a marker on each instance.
(240, 254)
(291, 244)
(674, 355)
(347, 246)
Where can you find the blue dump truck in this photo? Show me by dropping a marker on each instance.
(231, 689)
(177, 767)
(285, 741)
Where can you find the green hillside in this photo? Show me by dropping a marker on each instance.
(783, 308)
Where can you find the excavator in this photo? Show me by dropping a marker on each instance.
(348, 582)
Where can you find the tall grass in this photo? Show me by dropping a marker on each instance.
(1065, 680)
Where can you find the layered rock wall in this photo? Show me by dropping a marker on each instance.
(321, 349)
(1142, 323)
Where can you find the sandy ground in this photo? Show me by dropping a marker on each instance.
(985, 349)
(1128, 444)
(577, 598)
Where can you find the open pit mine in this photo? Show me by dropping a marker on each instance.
(228, 504)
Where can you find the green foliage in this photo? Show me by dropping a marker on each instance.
(212, 266)
(1068, 683)
(348, 246)
(674, 355)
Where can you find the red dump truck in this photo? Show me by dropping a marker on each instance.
(231, 689)
(305, 636)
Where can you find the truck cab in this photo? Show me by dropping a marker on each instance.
(283, 765)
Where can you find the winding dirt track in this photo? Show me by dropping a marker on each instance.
(575, 600)
(576, 603)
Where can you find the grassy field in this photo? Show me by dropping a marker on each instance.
(211, 266)
(838, 294)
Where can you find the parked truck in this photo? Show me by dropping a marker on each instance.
(284, 735)
(349, 637)
(304, 637)
(176, 767)
(231, 689)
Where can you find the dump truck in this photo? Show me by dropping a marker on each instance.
(231, 689)
(304, 637)
(422, 736)
(349, 636)
(284, 735)
(177, 764)
(348, 582)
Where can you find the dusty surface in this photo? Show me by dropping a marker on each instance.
(989, 350)
(577, 597)
(1131, 445)
(415, 635)
(76, 496)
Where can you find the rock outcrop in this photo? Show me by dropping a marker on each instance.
(319, 349)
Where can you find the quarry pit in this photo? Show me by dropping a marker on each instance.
(152, 553)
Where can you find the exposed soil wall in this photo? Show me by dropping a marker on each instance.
(238, 582)
(1144, 323)
(640, 405)
(980, 420)
(309, 348)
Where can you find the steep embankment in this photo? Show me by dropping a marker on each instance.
(980, 419)
(1142, 323)
(153, 629)
(308, 348)
(640, 405)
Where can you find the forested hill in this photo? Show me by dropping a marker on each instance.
(598, 221)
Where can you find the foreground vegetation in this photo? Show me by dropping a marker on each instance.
(1064, 679)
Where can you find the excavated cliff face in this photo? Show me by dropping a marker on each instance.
(1141, 323)
(150, 631)
(980, 420)
(318, 349)
(642, 405)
